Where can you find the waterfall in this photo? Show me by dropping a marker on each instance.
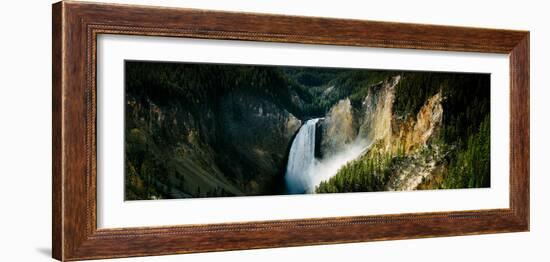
(301, 159)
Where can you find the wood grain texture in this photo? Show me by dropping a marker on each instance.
(519, 130)
(76, 26)
(57, 202)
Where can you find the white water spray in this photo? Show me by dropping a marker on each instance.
(326, 168)
(304, 172)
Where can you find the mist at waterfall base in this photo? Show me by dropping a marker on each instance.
(304, 172)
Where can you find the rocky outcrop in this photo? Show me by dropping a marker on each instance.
(338, 128)
(376, 113)
(418, 158)
(408, 172)
(386, 134)
(367, 123)
(416, 132)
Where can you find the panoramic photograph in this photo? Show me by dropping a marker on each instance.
(196, 130)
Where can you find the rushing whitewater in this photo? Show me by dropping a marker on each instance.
(301, 159)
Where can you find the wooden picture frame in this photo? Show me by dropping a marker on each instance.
(76, 26)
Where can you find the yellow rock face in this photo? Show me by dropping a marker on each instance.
(339, 127)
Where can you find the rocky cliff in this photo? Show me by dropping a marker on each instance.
(402, 142)
(423, 131)
(339, 128)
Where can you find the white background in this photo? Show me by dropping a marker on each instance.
(25, 136)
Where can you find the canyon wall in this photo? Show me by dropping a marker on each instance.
(382, 133)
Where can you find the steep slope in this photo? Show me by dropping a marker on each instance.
(189, 134)
(410, 146)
